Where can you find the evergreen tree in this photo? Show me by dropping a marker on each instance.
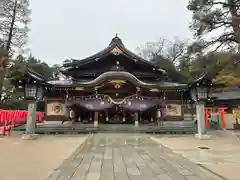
(218, 18)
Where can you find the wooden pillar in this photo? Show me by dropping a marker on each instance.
(123, 118)
(222, 120)
(67, 109)
(95, 123)
(159, 113)
(136, 123)
(107, 118)
(158, 116)
(151, 117)
(90, 116)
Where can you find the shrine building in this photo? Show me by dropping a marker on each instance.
(114, 86)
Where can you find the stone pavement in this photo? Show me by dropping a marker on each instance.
(34, 159)
(221, 155)
(127, 157)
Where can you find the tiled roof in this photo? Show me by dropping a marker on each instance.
(227, 95)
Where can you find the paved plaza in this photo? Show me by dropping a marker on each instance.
(34, 159)
(222, 155)
(127, 157)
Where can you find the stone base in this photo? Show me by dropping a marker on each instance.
(95, 124)
(29, 136)
(136, 124)
(202, 136)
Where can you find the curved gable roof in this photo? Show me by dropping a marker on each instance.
(115, 44)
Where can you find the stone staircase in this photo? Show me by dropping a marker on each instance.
(167, 127)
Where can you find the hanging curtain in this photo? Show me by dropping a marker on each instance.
(95, 104)
(139, 105)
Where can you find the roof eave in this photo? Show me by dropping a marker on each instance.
(116, 42)
(33, 74)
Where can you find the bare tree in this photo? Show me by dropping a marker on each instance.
(152, 49)
(176, 49)
(162, 48)
(13, 30)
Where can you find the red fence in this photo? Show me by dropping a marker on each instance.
(16, 116)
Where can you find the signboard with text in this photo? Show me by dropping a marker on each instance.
(56, 109)
(173, 110)
(236, 114)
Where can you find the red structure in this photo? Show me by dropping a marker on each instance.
(15, 117)
(206, 117)
(221, 113)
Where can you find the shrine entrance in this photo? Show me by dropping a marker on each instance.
(114, 87)
(128, 111)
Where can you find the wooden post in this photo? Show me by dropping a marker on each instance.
(206, 117)
(136, 123)
(158, 117)
(151, 117)
(95, 123)
(222, 120)
(90, 116)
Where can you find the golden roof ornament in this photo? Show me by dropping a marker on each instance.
(118, 81)
(154, 90)
(116, 51)
(79, 89)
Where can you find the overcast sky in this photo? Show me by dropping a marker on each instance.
(64, 29)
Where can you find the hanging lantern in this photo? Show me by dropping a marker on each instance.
(30, 91)
(200, 91)
(124, 119)
(33, 91)
(107, 118)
